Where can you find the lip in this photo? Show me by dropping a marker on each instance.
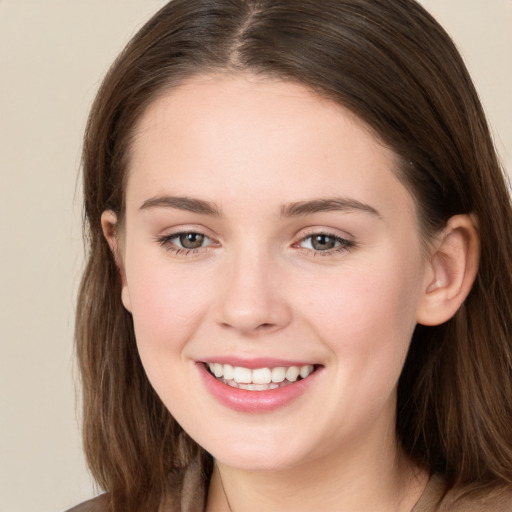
(254, 363)
(243, 400)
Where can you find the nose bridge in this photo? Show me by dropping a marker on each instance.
(252, 300)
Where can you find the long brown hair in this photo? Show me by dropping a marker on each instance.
(394, 67)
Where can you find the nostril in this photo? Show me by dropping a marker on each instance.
(252, 315)
(261, 327)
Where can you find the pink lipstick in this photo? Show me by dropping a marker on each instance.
(257, 385)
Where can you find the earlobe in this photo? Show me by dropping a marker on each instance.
(110, 232)
(453, 266)
(125, 297)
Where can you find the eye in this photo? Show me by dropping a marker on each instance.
(191, 240)
(184, 242)
(325, 242)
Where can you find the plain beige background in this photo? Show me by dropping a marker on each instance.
(53, 54)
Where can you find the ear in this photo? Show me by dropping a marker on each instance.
(453, 266)
(110, 232)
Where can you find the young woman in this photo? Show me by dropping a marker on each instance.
(297, 295)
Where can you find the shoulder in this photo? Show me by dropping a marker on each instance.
(498, 499)
(98, 504)
(439, 497)
(186, 492)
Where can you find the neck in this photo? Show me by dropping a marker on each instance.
(362, 479)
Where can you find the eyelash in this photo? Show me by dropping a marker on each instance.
(343, 244)
(166, 241)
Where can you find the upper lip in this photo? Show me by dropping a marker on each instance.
(254, 363)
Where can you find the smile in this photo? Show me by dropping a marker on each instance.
(259, 379)
(258, 385)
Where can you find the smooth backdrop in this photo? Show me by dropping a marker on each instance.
(53, 54)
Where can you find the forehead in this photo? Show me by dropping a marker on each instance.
(231, 136)
(233, 98)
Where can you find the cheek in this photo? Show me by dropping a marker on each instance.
(167, 306)
(366, 315)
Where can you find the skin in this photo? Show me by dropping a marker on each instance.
(258, 287)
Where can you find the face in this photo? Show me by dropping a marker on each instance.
(268, 240)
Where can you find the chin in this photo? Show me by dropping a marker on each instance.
(256, 463)
(257, 456)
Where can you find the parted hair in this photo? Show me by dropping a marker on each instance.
(391, 64)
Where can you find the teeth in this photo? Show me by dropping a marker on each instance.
(241, 375)
(292, 373)
(228, 371)
(278, 374)
(217, 370)
(261, 376)
(305, 371)
(256, 387)
(259, 379)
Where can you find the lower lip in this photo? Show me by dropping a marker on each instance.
(243, 400)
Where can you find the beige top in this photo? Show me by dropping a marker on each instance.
(187, 494)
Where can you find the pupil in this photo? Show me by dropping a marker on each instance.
(323, 242)
(191, 240)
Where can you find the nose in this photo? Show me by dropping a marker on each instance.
(252, 299)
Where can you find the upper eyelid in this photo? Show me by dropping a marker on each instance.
(175, 234)
(335, 233)
(170, 232)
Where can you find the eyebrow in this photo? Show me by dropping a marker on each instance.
(182, 203)
(295, 209)
(327, 205)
